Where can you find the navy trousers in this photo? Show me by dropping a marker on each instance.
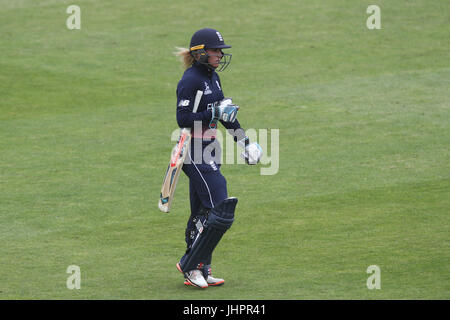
(207, 185)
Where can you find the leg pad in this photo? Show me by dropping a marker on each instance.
(219, 221)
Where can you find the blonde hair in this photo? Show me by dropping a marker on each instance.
(185, 56)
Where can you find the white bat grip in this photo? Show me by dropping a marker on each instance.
(198, 97)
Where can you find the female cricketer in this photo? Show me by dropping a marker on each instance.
(200, 106)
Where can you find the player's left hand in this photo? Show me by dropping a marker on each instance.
(226, 110)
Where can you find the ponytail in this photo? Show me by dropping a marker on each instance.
(185, 56)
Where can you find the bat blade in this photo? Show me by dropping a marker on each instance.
(179, 153)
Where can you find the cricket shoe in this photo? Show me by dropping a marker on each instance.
(213, 281)
(210, 280)
(193, 278)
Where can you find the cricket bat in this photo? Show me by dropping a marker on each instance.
(177, 157)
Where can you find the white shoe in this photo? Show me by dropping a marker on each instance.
(194, 278)
(214, 281)
(210, 280)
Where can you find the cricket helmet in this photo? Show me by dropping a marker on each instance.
(208, 38)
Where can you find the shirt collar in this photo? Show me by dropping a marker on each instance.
(206, 70)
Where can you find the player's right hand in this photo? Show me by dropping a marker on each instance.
(226, 110)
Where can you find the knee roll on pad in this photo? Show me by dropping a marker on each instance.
(219, 221)
(195, 225)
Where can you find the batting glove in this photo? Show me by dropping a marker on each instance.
(252, 151)
(226, 110)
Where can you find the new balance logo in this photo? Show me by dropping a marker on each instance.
(183, 103)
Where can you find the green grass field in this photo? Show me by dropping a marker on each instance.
(364, 162)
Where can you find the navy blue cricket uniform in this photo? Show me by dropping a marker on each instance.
(207, 185)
